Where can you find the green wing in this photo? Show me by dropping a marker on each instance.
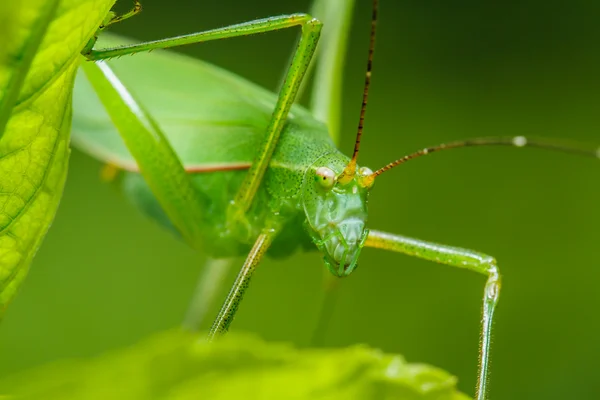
(211, 117)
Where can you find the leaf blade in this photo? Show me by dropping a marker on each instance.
(34, 149)
(177, 365)
(18, 53)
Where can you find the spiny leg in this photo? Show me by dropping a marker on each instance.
(137, 8)
(210, 281)
(243, 29)
(454, 257)
(305, 49)
(110, 19)
(242, 281)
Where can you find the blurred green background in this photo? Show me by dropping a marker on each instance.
(106, 277)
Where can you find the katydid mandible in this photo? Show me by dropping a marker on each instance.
(279, 185)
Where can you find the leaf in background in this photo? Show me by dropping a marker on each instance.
(177, 365)
(34, 147)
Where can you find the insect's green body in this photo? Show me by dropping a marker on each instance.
(234, 169)
(221, 128)
(237, 170)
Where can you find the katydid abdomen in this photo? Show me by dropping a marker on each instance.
(216, 135)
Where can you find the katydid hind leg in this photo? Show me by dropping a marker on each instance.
(241, 284)
(460, 258)
(310, 33)
(211, 280)
(116, 18)
(243, 29)
(287, 95)
(110, 19)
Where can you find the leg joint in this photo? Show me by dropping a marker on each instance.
(491, 265)
(492, 287)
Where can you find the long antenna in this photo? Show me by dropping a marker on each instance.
(350, 169)
(517, 141)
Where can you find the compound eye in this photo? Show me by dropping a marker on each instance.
(325, 177)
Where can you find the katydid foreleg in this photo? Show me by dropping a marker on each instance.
(454, 257)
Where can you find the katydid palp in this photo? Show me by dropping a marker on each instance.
(300, 191)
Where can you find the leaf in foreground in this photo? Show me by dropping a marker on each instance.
(37, 72)
(178, 365)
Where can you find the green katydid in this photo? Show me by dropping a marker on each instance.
(257, 173)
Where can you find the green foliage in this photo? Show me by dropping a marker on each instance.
(22, 32)
(37, 71)
(178, 365)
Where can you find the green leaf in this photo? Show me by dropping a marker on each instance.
(22, 27)
(178, 365)
(37, 72)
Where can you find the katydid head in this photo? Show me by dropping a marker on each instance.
(335, 191)
(336, 212)
(335, 196)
